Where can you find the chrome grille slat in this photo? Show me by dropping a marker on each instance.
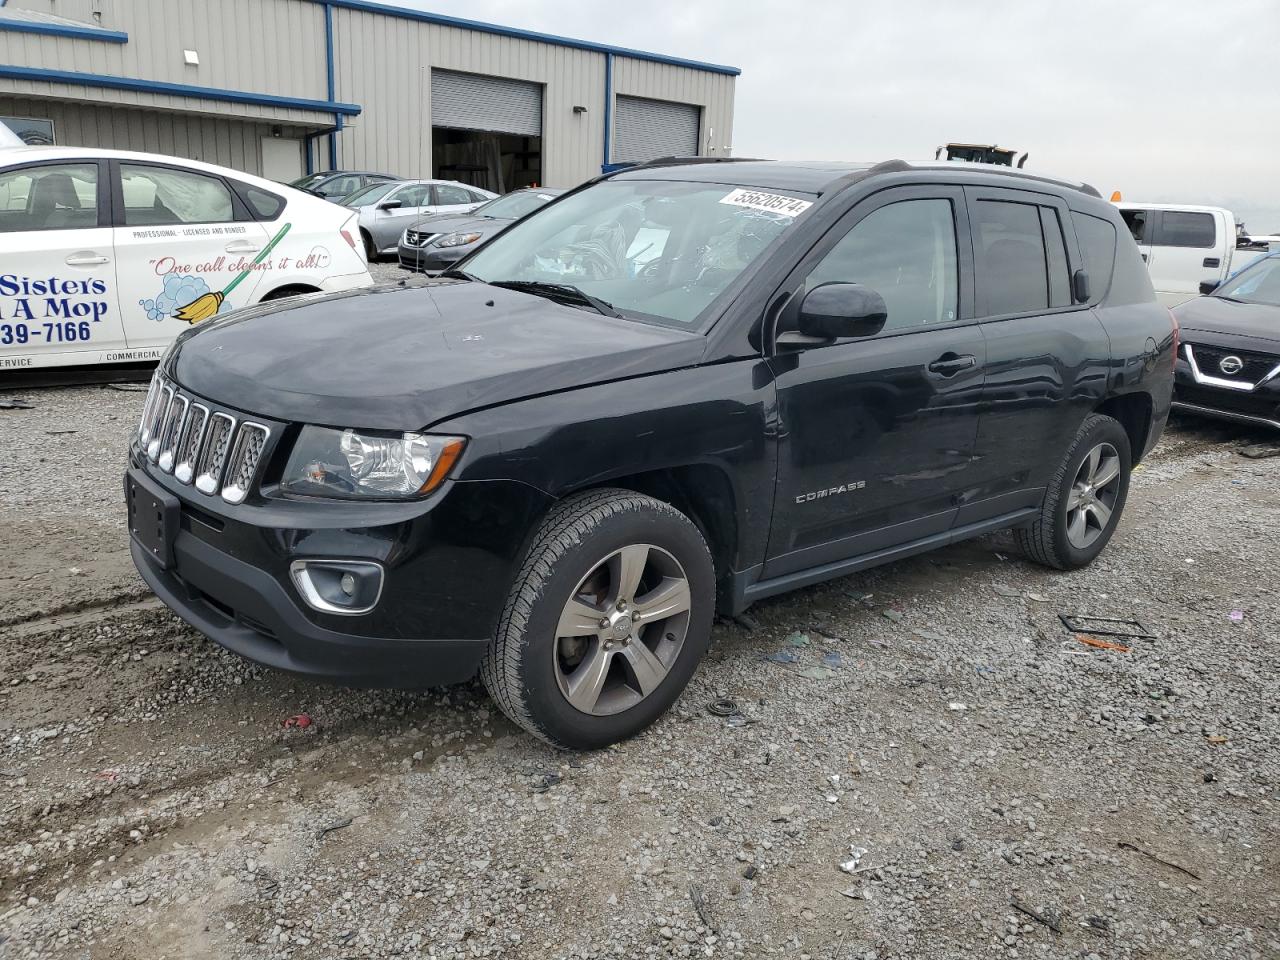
(189, 443)
(242, 464)
(153, 393)
(173, 424)
(158, 416)
(213, 453)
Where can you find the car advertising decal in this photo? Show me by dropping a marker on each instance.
(206, 304)
(50, 309)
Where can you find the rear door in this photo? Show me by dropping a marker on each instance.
(185, 249)
(1189, 246)
(58, 296)
(1047, 356)
(877, 433)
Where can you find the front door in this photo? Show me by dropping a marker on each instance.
(58, 297)
(399, 208)
(182, 253)
(876, 434)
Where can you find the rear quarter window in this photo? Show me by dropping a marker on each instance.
(1180, 228)
(263, 204)
(1116, 271)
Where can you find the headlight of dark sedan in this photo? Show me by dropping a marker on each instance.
(356, 463)
(456, 239)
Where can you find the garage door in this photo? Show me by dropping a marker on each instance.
(467, 101)
(648, 129)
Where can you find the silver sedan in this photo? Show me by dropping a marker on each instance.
(385, 209)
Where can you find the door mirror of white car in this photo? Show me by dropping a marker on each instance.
(390, 205)
(1207, 287)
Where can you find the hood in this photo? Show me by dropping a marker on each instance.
(404, 356)
(1216, 315)
(459, 223)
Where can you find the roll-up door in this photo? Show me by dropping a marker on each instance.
(648, 129)
(466, 101)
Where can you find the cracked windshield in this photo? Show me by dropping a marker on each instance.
(650, 250)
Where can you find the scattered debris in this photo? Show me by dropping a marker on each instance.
(816, 673)
(1100, 924)
(724, 707)
(1236, 616)
(798, 639)
(1089, 641)
(859, 596)
(1038, 597)
(856, 854)
(781, 656)
(1123, 845)
(956, 705)
(853, 893)
(746, 622)
(749, 873)
(1105, 626)
(931, 635)
(1217, 738)
(1260, 451)
(128, 387)
(301, 721)
(894, 615)
(15, 405)
(1004, 591)
(331, 827)
(548, 781)
(55, 433)
(832, 659)
(1049, 920)
(702, 906)
(823, 632)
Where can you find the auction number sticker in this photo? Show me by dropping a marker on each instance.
(769, 202)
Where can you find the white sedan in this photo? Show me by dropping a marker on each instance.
(107, 255)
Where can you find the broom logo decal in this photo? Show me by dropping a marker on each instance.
(207, 305)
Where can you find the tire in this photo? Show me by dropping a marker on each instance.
(1055, 538)
(575, 565)
(370, 251)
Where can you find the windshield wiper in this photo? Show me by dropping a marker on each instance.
(559, 291)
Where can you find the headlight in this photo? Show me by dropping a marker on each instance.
(350, 463)
(456, 239)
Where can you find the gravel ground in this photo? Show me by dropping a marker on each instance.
(995, 787)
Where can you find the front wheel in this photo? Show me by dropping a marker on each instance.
(606, 621)
(1083, 502)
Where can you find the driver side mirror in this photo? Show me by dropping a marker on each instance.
(832, 311)
(390, 205)
(1207, 287)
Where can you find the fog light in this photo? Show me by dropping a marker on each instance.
(347, 587)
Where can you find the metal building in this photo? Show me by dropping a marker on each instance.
(283, 87)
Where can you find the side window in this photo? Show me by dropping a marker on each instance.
(61, 196)
(265, 206)
(340, 187)
(1179, 228)
(906, 252)
(1011, 255)
(1056, 255)
(448, 195)
(1140, 224)
(477, 197)
(160, 195)
(1097, 239)
(418, 195)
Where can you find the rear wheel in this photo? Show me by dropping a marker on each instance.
(1083, 503)
(606, 621)
(370, 251)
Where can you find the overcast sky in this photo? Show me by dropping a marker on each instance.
(1166, 100)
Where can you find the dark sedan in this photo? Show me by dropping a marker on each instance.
(437, 242)
(1229, 364)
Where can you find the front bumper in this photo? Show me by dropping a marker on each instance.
(430, 259)
(448, 563)
(1196, 392)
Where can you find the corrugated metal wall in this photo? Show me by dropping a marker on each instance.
(243, 45)
(660, 81)
(225, 141)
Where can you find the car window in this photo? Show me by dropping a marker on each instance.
(659, 251)
(906, 252)
(367, 195)
(162, 195)
(265, 206)
(514, 205)
(1010, 246)
(1056, 255)
(1139, 223)
(1178, 228)
(478, 197)
(61, 196)
(414, 195)
(339, 187)
(448, 195)
(1258, 283)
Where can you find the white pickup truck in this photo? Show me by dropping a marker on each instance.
(1185, 246)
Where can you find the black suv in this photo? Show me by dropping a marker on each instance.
(673, 391)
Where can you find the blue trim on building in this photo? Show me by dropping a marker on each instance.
(63, 30)
(176, 89)
(438, 18)
(608, 107)
(329, 74)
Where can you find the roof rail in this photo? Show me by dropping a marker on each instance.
(682, 161)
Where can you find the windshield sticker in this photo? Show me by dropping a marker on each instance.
(769, 202)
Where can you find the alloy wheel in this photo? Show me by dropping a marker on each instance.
(1092, 499)
(622, 630)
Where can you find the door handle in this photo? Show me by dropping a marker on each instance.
(949, 364)
(1212, 262)
(86, 260)
(243, 246)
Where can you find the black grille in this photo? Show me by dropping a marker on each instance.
(1261, 404)
(1256, 365)
(416, 238)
